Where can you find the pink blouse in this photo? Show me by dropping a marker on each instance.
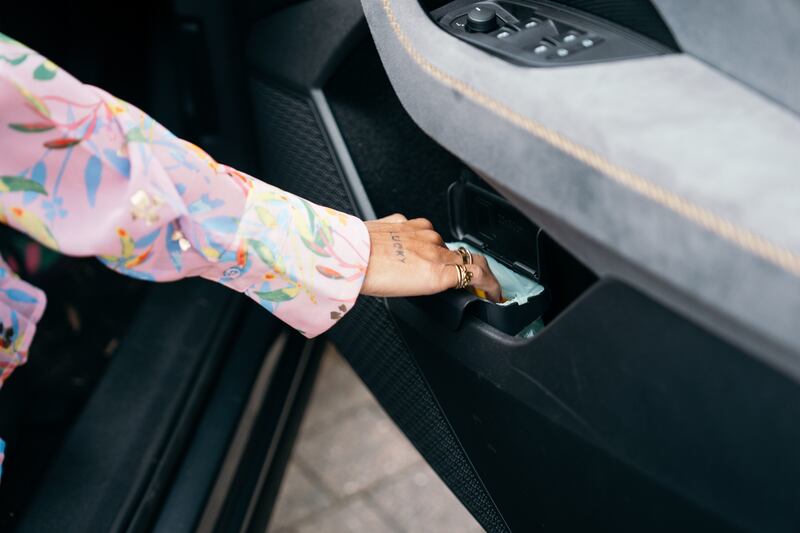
(88, 174)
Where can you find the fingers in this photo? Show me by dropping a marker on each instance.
(398, 222)
(483, 279)
(429, 236)
(421, 223)
(439, 254)
(393, 219)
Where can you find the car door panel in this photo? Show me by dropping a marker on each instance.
(608, 148)
(618, 375)
(725, 37)
(629, 410)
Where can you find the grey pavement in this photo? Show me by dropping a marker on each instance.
(353, 471)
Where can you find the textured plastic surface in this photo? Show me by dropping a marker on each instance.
(385, 144)
(619, 416)
(373, 346)
(293, 149)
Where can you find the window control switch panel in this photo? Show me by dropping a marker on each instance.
(541, 34)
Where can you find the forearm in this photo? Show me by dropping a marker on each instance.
(92, 175)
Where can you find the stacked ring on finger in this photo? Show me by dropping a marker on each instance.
(466, 255)
(464, 277)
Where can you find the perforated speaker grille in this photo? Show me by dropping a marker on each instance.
(294, 153)
(297, 158)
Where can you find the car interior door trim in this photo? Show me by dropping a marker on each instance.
(692, 200)
(746, 239)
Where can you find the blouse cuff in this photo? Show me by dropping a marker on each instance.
(302, 262)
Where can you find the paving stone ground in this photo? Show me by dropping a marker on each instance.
(353, 471)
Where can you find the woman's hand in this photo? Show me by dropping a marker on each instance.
(409, 258)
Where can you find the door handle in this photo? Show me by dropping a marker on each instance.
(450, 309)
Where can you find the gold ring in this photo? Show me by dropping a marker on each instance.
(464, 277)
(466, 255)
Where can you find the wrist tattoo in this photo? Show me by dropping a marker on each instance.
(397, 244)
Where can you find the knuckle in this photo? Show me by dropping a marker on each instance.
(430, 253)
(437, 274)
(428, 235)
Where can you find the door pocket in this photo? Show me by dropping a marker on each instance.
(526, 262)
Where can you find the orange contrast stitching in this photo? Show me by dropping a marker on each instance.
(745, 239)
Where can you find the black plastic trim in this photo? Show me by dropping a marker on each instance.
(344, 161)
(538, 33)
(249, 498)
(117, 460)
(620, 415)
(211, 440)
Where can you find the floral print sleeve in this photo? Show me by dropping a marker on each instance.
(21, 307)
(88, 174)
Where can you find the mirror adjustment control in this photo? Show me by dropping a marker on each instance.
(459, 24)
(541, 33)
(481, 19)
